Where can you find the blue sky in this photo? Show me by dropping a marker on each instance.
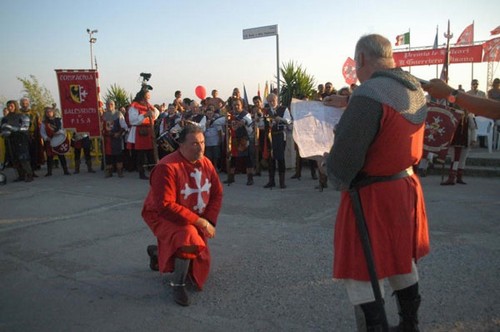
(186, 43)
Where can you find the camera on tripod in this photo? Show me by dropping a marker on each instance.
(145, 76)
(145, 79)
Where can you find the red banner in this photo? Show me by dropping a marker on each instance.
(464, 54)
(467, 36)
(349, 71)
(79, 100)
(492, 50)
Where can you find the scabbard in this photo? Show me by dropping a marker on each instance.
(367, 250)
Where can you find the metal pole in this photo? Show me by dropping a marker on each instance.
(92, 40)
(278, 62)
(91, 57)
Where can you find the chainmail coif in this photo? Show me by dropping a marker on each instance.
(399, 90)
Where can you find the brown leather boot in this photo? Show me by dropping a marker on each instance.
(108, 171)
(230, 177)
(452, 178)
(119, 169)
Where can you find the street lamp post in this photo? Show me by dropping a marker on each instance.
(92, 40)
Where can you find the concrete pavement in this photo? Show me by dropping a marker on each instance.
(73, 258)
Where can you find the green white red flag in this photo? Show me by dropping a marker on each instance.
(403, 39)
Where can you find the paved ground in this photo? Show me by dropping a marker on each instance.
(73, 258)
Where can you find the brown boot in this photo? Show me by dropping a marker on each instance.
(28, 177)
(452, 178)
(108, 171)
(119, 169)
(230, 177)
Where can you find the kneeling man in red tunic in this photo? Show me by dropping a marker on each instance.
(181, 209)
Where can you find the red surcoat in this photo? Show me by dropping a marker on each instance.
(143, 132)
(181, 192)
(394, 210)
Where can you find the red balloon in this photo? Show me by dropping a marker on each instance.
(201, 92)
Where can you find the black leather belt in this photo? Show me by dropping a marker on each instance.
(367, 180)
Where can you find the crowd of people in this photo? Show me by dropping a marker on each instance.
(240, 137)
(137, 136)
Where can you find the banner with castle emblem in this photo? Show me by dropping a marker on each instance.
(78, 94)
(440, 126)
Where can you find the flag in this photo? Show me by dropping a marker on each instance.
(245, 96)
(79, 99)
(435, 45)
(467, 36)
(403, 39)
(446, 62)
(495, 31)
(266, 91)
(258, 90)
(491, 50)
(349, 71)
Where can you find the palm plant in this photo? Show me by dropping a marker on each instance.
(118, 95)
(38, 94)
(296, 83)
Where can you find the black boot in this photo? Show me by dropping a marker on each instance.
(178, 282)
(370, 318)
(153, 257)
(89, 167)
(65, 169)
(142, 173)
(282, 180)
(271, 182)
(408, 300)
(249, 179)
(64, 165)
(50, 162)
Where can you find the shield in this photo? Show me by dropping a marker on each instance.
(440, 126)
(75, 93)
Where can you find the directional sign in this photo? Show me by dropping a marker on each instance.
(270, 30)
